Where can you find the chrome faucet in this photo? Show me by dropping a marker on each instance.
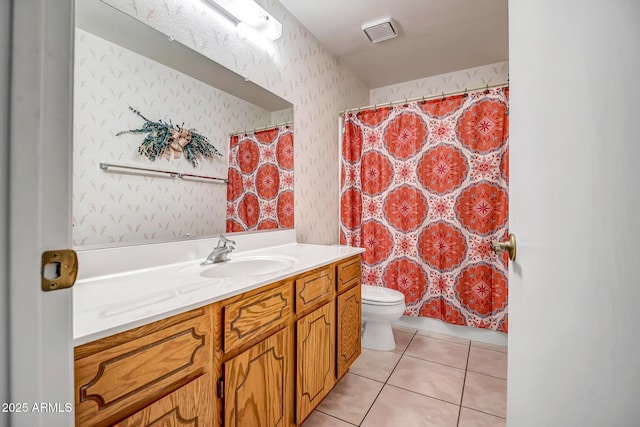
(220, 252)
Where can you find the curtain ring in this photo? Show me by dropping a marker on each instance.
(486, 89)
(375, 107)
(423, 101)
(443, 96)
(406, 104)
(465, 94)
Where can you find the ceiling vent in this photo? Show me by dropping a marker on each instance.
(378, 31)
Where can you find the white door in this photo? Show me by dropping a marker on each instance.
(40, 346)
(574, 348)
(5, 60)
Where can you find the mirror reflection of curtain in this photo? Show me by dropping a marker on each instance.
(425, 191)
(260, 188)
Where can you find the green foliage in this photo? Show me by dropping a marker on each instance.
(162, 141)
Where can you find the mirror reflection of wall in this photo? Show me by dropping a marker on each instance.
(111, 74)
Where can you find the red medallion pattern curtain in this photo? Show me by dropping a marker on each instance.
(260, 188)
(424, 189)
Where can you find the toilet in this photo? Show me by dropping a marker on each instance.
(380, 307)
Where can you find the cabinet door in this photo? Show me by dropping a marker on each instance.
(256, 384)
(349, 314)
(315, 355)
(190, 405)
(123, 378)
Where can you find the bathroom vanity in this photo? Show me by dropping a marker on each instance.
(263, 352)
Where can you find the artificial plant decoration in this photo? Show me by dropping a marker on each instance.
(170, 141)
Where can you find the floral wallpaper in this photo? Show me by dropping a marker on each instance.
(110, 208)
(459, 80)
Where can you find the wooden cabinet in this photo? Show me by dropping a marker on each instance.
(349, 326)
(264, 358)
(248, 316)
(256, 361)
(315, 353)
(314, 289)
(119, 375)
(348, 314)
(349, 273)
(190, 405)
(256, 384)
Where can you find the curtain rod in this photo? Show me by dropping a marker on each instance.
(290, 122)
(106, 166)
(424, 98)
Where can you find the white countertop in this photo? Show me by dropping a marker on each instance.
(108, 304)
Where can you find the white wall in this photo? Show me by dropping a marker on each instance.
(124, 208)
(574, 353)
(450, 82)
(5, 61)
(295, 67)
(458, 80)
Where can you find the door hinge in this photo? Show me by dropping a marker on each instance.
(58, 269)
(220, 388)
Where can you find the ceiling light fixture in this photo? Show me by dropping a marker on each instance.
(380, 30)
(251, 14)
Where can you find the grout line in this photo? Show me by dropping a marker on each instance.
(433, 361)
(490, 349)
(443, 340)
(468, 342)
(389, 376)
(364, 376)
(408, 344)
(332, 416)
(484, 412)
(372, 403)
(466, 368)
(422, 394)
(395, 366)
(488, 375)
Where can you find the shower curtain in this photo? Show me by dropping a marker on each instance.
(424, 189)
(260, 187)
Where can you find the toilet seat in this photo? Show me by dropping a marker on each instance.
(378, 295)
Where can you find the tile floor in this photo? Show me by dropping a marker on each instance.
(430, 379)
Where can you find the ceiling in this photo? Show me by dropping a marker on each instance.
(111, 24)
(434, 36)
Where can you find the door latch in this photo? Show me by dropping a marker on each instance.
(59, 269)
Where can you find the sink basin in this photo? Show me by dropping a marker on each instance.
(248, 266)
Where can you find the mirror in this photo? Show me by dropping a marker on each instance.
(121, 63)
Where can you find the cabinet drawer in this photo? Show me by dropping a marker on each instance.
(190, 405)
(348, 273)
(249, 317)
(314, 289)
(122, 379)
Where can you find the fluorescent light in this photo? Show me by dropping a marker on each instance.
(251, 14)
